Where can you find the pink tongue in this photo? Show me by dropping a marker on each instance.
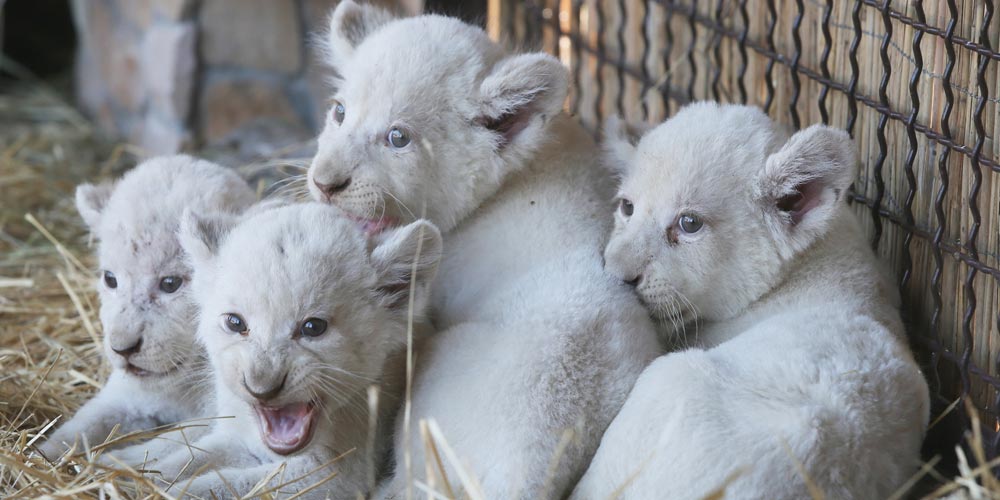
(373, 226)
(286, 428)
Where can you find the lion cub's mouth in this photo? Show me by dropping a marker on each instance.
(288, 428)
(135, 371)
(375, 226)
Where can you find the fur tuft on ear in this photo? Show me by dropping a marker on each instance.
(350, 24)
(90, 202)
(200, 236)
(416, 246)
(519, 89)
(620, 141)
(804, 182)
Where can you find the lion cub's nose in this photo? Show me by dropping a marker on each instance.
(268, 394)
(128, 351)
(332, 188)
(634, 282)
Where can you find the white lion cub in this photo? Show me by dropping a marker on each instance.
(300, 312)
(146, 309)
(800, 362)
(536, 343)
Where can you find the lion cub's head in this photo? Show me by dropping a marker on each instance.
(300, 309)
(715, 201)
(429, 116)
(144, 279)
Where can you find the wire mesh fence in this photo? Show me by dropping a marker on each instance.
(915, 83)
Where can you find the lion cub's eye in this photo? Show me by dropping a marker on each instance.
(398, 138)
(690, 223)
(626, 207)
(235, 323)
(170, 284)
(312, 327)
(109, 280)
(338, 112)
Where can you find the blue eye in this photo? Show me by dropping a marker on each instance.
(398, 138)
(235, 323)
(626, 207)
(338, 112)
(690, 223)
(312, 327)
(170, 284)
(110, 280)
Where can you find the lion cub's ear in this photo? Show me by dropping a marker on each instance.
(90, 202)
(400, 252)
(620, 141)
(802, 184)
(350, 24)
(520, 89)
(201, 235)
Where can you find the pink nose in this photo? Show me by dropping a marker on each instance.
(130, 350)
(266, 394)
(332, 188)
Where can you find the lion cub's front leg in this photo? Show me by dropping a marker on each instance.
(278, 479)
(95, 420)
(217, 449)
(157, 448)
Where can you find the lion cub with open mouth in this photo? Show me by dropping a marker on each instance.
(300, 313)
(146, 308)
(799, 363)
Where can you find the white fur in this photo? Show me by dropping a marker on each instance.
(535, 340)
(798, 356)
(134, 221)
(277, 268)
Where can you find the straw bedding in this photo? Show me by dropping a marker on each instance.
(51, 360)
(50, 355)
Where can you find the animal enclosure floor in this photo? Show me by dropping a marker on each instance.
(50, 356)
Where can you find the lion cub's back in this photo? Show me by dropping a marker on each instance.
(557, 205)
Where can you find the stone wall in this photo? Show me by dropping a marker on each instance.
(171, 75)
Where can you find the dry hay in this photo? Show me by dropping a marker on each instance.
(49, 350)
(51, 360)
(50, 356)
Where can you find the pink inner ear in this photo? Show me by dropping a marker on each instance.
(805, 198)
(510, 124)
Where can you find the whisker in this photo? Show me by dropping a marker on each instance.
(400, 203)
(337, 369)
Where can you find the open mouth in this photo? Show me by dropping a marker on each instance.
(374, 226)
(288, 428)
